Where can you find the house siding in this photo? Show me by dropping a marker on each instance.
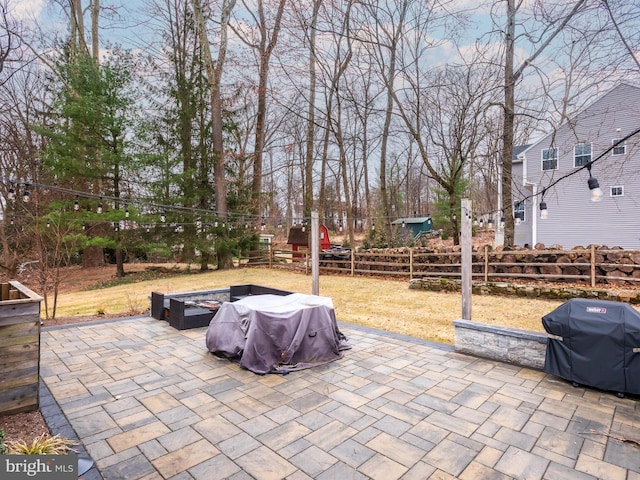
(573, 220)
(523, 232)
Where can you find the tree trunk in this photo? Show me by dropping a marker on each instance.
(119, 263)
(265, 50)
(93, 257)
(508, 124)
(95, 17)
(214, 72)
(308, 190)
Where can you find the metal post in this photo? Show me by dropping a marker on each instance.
(466, 241)
(315, 253)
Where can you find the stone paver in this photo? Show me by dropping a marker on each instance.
(149, 402)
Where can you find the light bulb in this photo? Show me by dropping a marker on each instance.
(543, 210)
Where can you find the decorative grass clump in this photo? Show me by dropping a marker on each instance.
(44, 444)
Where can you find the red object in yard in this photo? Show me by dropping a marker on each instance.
(299, 239)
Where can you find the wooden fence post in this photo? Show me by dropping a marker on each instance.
(410, 263)
(486, 263)
(353, 262)
(593, 265)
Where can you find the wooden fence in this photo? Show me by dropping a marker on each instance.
(592, 266)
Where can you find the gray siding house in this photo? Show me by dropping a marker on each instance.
(573, 219)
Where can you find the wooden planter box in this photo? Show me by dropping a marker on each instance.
(19, 348)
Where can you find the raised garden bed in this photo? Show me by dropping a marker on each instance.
(19, 348)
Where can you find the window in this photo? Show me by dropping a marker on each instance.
(550, 159)
(518, 211)
(582, 154)
(617, 191)
(619, 149)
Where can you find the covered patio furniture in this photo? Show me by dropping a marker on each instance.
(277, 334)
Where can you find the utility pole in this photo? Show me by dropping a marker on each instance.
(315, 253)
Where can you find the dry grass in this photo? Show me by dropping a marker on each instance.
(380, 303)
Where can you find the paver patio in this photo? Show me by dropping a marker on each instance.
(149, 402)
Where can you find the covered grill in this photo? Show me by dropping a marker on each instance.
(595, 343)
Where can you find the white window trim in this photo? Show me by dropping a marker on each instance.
(622, 145)
(590, 154)
(621, 187)
(542, 159)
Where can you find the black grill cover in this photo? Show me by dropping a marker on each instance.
(595, 343)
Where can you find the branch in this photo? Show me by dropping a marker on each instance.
(546, 43)
(624, 40)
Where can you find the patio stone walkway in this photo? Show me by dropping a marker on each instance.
(149, 402)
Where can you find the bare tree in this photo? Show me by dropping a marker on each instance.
(9, 40)
(214, 72)
(263, 42)
(453, 117)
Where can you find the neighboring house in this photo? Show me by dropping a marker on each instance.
(573, 219)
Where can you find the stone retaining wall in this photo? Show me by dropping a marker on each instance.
(512, 345)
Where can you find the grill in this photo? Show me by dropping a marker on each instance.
(595, 343)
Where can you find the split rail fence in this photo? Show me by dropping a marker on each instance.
(592, 265)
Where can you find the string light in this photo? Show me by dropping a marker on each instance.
(594, 186)
(543, 205)
(99, 209)
(76, 204)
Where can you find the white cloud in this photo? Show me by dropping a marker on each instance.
(26, 9)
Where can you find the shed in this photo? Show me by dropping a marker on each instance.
(415, 225)
(299, 238)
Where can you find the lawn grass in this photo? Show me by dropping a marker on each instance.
(379, 303)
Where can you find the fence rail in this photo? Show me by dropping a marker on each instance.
(592, 265)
